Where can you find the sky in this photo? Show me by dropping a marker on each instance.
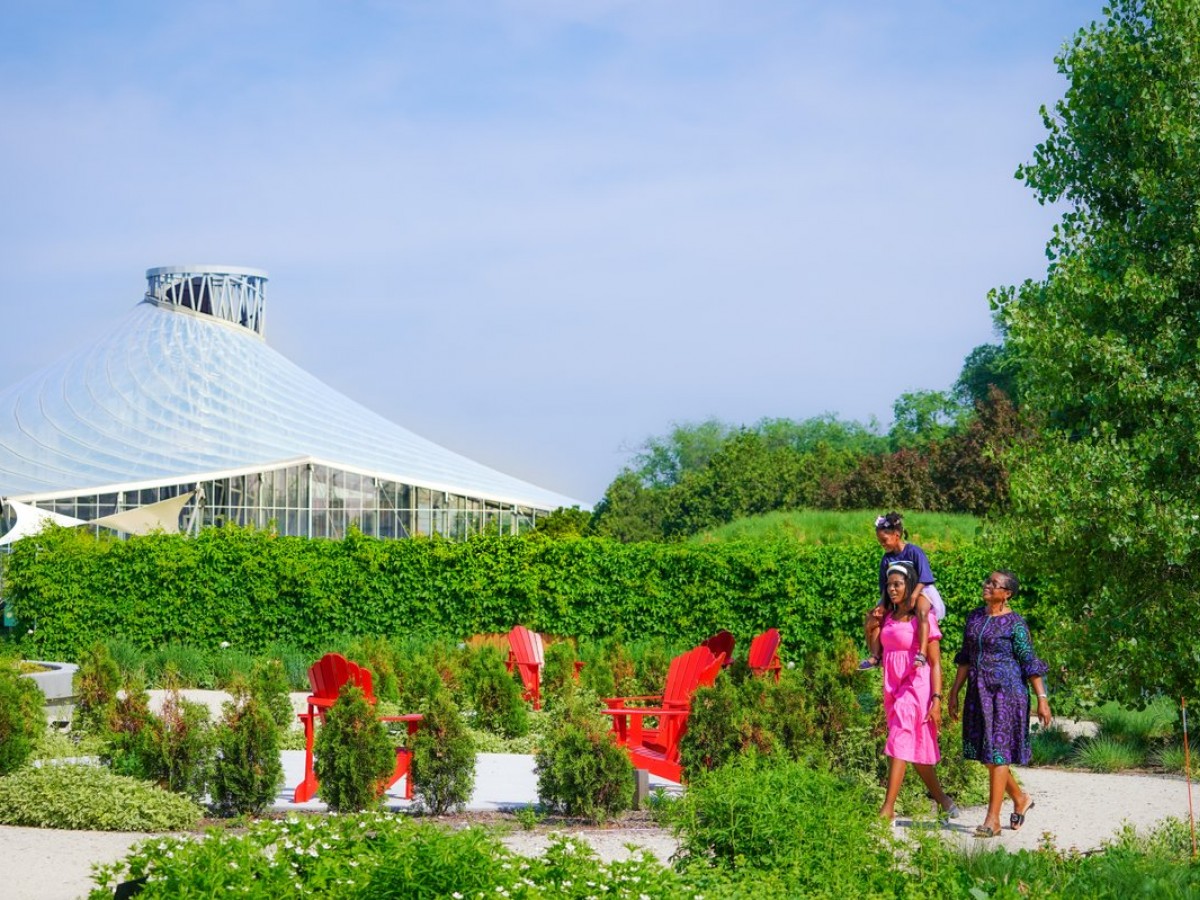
(540, 232)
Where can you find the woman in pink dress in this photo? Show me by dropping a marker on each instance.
(912, 694)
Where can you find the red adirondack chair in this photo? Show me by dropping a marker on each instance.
(656, 749)
(326, 677)
(721, 642)
(527, 655)
(764, 654)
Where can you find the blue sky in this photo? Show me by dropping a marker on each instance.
(539, 232)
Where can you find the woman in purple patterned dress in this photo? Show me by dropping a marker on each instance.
(996, 662)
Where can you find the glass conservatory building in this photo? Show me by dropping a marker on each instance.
(181, 416)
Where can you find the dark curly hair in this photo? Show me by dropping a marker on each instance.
(892, 521)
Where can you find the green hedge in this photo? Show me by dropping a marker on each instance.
(252, 588)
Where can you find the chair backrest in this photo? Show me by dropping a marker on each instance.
(527, 646)
(704, 667)
(764, 653)
(329, 673)
(721, 642)
(686, 672)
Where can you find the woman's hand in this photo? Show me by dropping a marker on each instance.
(935, 713)
(952, 702)
(1043, 712)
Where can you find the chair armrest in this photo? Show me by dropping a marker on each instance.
(646, 711)
(644, 698)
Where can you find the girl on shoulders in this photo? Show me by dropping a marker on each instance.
(889, 531)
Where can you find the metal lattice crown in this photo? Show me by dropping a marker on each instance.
(230, 293)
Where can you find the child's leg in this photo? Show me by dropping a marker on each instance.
(922, 627)
(872, 625)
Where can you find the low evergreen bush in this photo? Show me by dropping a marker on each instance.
(268, 682)
(558, 672)
(91, 798)
(178, 744)
(419, 679)
(443, 763)
(354, 754)
(495, 694)
(580, 769)
(22, 718)
(246, 768)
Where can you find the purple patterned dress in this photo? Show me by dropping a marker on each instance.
(996, 707)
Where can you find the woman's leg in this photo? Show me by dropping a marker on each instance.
(1020, 798)
(929, 776)
(895, 780)
(997, 784)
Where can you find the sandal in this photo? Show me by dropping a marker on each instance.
(1017, 819)
(986, 831)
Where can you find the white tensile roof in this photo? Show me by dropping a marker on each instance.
(167, 394)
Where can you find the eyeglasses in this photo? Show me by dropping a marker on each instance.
(996, 586)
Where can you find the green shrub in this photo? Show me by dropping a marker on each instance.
(91, 798)
(22, 718)
(558, 672)
(376, 654)
(354, 754)
(268, 682)
(419, 680)
(781, 815)
(443, 763)
(177, 745)
(96, 683)
(128, 751)
(1105, 754)
(812, 713)
(246, 768)
(495, 694)
(1137, 727)
(580, 768)
(726, 721)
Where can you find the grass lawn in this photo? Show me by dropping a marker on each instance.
(933, 531)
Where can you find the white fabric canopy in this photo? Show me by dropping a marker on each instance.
(31, 520)
(162, 516)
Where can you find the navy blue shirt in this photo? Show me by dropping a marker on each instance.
(910, 553)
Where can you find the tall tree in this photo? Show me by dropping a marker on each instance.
(1105, 507)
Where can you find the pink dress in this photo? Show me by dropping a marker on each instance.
(906, 691)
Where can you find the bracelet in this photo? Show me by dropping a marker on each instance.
(1042, 696)
(935, 694)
